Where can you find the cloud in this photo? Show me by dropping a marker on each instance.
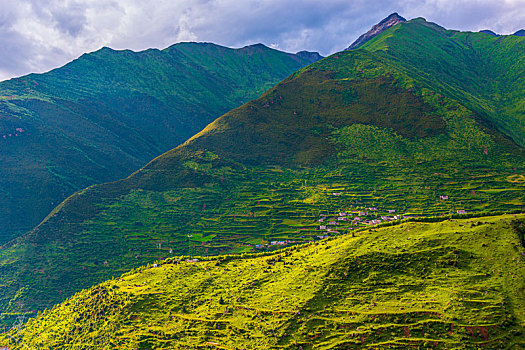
(38, 35)
(504, 17)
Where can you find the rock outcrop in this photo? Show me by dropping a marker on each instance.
(377, 29)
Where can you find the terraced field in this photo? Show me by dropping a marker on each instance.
(109, 112)
(442, 285)
(239, 213)
(232, 213)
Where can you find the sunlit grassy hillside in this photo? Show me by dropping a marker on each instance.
(453, 284)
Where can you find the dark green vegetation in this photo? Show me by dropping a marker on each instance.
(484, 73)
(109, 112)
(443, 285)
(384, 126)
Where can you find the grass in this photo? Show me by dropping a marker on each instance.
(442, 285)
(229, 213)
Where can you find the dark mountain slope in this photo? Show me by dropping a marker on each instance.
(107, 113)
(488, 31)
(362, 129)
(453, 284)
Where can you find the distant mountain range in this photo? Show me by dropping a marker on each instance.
(417, 121)
(520, 32)
(109, 112)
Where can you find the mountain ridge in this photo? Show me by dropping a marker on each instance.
(520, 32)
(488, 31)
(384, 24)
(109, 112)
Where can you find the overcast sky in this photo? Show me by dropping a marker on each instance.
(38, 35)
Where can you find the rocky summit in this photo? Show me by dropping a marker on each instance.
(386, 23)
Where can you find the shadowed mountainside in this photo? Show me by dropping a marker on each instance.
(109, 112)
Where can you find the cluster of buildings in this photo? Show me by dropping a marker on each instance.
(329, 222)
(16, 133)
(274, 243)
(344, 221)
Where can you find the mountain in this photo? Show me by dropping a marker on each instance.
(109, 112)
(418, 121)
(309, 56)
(440, 285)
(520, 32)
(377, 29)
(488, 31)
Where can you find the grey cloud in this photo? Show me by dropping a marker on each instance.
(71, 19)
(14, 49)
(504, 17)
(294, 25)
(37, 35)
(68, 17)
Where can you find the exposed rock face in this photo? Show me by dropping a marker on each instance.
(520, 32)
(388, 22)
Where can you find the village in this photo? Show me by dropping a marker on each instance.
(341, 222)
(13, 134)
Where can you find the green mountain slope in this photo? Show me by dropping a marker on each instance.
(356, 133)
(485, 73)
(442, 285)
(109, 112)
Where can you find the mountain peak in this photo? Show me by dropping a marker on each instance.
(520, 32)
(308, 55)
(257, 46)
(488, 31)
(377, 29)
